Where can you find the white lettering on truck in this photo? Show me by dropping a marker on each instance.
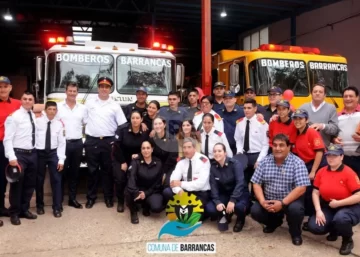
(88, 58)
(282, 63)
(328, 66)
(132, 60)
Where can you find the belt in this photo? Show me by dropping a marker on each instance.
(72, 140)
(252, 153)
(19, 150)
(45, 151)
(101, 138)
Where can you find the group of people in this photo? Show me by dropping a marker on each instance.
(266, 161)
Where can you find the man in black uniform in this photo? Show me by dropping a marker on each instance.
(275, 95)
(19, 144)
(219, 90)
(140, 105)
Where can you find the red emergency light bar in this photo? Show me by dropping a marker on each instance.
(54, 40)
(158, 46)
(290, 49)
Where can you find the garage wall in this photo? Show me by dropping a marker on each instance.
(314, 29)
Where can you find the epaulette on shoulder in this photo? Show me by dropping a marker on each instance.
(197, 113)
(218, 133)
(239, 120)
(217, 116)
(261, 120)
(203, 159)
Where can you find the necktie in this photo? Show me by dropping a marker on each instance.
(189, 175)
(207, 146)
(33, 128)
(246, 139)
(48, 138)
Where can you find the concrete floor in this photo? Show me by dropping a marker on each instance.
(104, 232)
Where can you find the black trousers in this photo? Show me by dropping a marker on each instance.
(353, 162)
(120, 179)
(3, 182)
(294, 216)
(49, 159)
(74, 151)
(153, 202)
(22, 191)
(98, 158)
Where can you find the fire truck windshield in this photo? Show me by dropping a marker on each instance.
(287, 74)
(332, 75)
(155, 74)
(80, 67)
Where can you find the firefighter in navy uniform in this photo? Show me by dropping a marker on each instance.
(219, 89)
(19, 144)
(194, 107)
(104, 117)
(140, 105)
(230, 114)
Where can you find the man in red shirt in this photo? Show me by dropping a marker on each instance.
(7, 106)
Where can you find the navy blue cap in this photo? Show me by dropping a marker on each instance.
(229, 94)
(143, 89)
(284, 103)
(275, 90)
(4, 79)
(249, 88)
(334, 149)
(300, 113)
(219, 84)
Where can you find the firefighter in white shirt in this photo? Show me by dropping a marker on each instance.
(251, 137)
(74, 117)
(50, 145)
(210, 136)
(206, 105)
(104, 116)
(191, 174)
(19, 144)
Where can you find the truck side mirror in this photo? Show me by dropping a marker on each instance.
(234, 78)
(180, 74)
(39, 67)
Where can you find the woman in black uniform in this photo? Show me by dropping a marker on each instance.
(229, 192)
(145, 183)
(152, 110)
(165, 149)
(128, 143)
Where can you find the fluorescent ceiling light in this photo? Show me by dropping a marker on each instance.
(7, 16)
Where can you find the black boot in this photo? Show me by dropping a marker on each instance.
(346, 246)
(134, 217)
(120, 206)
(239, 224)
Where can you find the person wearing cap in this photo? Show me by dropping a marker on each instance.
(191, 174)
(279, 183)
(349, 136)
(230, 114)
(219, 90)
(207, 103)
(251, 137)
(19, 145)
(50, 146)
(275, 95)
(140, 104)
(336, 197)
(228, 190)
(173, 114)
(7, 106)
(193, 99)
(310, 147)
(127, 146)
(104, 116)
(74, 116)
(283, 124)
(250, 93)
(322, 115)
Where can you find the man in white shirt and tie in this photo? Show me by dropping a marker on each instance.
(50, 145)
(191, 174)
(19, 145)
(74, 117)
(251, 137)
(104, 116)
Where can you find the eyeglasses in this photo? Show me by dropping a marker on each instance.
(205, 103)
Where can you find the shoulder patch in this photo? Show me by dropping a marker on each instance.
(239, 120)
(261, 120)
(197, 113)
(218, 133)
(217, 116)
(203, 159)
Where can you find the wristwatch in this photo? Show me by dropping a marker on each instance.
(284, 206)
